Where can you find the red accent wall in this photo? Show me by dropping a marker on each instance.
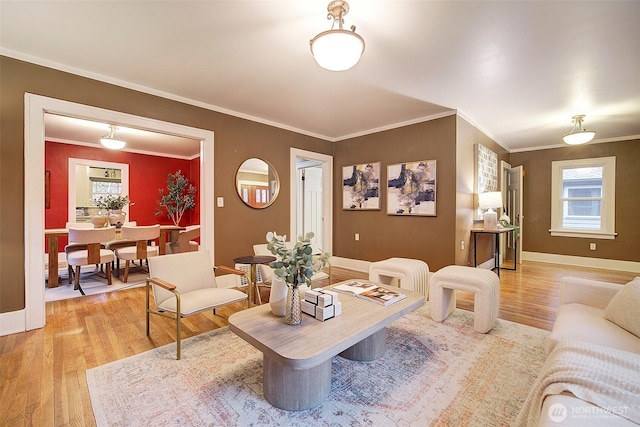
(147, 174)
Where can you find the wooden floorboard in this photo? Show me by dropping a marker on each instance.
(42, 372)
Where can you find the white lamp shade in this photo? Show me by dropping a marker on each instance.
(490, 199)
(112, 141)
(337, 50)
(113, 144)
(579, 137)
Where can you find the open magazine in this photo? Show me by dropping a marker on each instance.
(370, 292)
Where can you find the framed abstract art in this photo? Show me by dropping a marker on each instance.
(411, 188)
(361, 186)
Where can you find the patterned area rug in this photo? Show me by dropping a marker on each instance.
(433, 374)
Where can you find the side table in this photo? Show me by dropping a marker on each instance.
(496, 253)
(253, 260)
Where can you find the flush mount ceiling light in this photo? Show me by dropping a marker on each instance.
(112, 140)
(578, 135)
(337, 49)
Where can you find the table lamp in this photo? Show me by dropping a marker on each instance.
(490, 200)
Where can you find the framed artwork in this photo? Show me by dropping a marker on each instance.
(411, 188)
(361, 187)
(47, 189)
(486, 174)
(487, 167)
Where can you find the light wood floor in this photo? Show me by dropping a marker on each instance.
(42, 372)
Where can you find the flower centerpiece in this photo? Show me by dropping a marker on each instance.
(113, 204)
(294, 266)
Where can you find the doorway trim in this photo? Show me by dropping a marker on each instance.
(34, 142)
(327, 194)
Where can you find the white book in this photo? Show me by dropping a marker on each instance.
(370, 292)
(355, 287)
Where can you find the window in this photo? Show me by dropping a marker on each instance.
(103, 189)
(583, 198)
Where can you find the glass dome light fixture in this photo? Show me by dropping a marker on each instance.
(337, 49)
(113, 140)
(578, 134)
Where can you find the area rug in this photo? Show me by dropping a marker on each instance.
(93, 283)
(432, 374)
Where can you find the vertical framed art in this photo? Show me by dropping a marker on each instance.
(411, 188)
(486, 174)
(487, 167)
(361, 186)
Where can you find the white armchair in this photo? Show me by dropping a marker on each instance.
(184, 284)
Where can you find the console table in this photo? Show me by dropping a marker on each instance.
(496, 232)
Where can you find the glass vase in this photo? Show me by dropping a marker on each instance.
(293, 315)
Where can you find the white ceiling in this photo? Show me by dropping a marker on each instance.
(518, 70)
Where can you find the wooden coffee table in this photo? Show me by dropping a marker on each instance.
(297, 359)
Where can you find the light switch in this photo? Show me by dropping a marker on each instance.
(220, 202)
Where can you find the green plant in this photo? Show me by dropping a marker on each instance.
(296, 265)
(112, 202)
(180, 197)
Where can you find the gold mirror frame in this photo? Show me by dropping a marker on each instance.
(257, 183)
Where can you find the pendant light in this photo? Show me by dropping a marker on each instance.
(337, 49)
(112, 140)
(578, 134)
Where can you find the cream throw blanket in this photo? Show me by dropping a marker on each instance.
(603, 376)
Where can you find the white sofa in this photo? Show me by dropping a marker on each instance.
(581, 317)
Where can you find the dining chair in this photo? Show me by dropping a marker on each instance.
(142, 250)
(185, 240)
(87, 250)
(117, 243)
(69, 225)
(185, 284)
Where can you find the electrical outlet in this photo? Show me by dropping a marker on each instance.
(462, 245)
(592, 246)
(357, 236)
(220, 201)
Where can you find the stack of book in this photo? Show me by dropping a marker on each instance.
(321, 304)
(370, 292)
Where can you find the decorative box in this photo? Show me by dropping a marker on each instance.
(321, 313)
(311, 296)
(327, 298)
(308, 308)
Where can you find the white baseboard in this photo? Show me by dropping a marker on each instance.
(12, 322)
(607, 264)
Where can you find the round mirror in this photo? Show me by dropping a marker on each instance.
(257, 183)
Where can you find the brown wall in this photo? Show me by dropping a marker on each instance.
(537, 201)
(466, 198)
(237, 227)
(383, 236)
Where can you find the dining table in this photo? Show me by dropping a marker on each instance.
(168, 233)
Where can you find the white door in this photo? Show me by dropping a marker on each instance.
(311, 204)
(514, 208)
(312, 215)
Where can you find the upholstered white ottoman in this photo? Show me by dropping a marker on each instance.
(485, 284)
(413, 274)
